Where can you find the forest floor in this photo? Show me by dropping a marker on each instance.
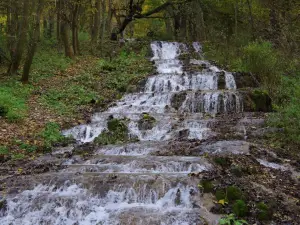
(62, 93)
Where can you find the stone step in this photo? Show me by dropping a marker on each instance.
(141, 164)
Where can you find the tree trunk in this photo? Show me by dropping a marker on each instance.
(103, 23)
(103, 20)
(16, 60)
(96, 25)
(109, 17)
(51, 27)
(251, 18)
(58, 18)
(45, 27)
(75, 41)
(33, 43)
(64, 31)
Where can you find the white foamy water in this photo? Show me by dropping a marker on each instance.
(69, 205)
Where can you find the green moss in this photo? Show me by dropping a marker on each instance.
(233, 193)
(240, 208)
(264, 212)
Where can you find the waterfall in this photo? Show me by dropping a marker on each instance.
(129, 183)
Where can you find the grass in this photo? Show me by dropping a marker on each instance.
(48, 63)
(65, 100)
(13, 97)
(105, 80)
(51, 135)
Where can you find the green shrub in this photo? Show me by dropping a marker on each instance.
(261, 59)
(288, 111)
(240, 208)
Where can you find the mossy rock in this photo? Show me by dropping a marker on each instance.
(233, 193)
(146, 122)
(117, 133)
(178, 99)
(244, 79)
(240, 208)
(264, 211)
(257, 101)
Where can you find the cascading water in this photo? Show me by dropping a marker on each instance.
(128, 184)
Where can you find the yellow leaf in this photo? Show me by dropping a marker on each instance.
(222, 202)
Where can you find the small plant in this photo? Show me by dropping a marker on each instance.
(237, 171)
(18, 156)
(3, 150)
(233, 193)
(232, 220)
(27, 147)
(206, 185)
(240, 208)
(220, 195)
(264, 212)
(223, 161)
(52, 135)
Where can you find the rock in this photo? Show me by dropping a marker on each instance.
(178, 99)
(256, 101)
(3, 206)
(221, 80)
(183, 134)
(243, 79)
(146, 122)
